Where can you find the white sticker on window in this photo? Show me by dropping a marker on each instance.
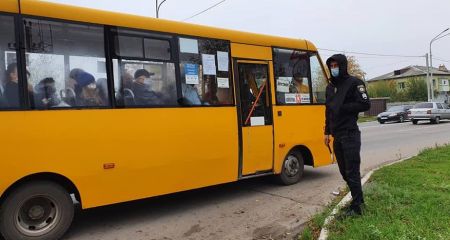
(188, 45)
(290, 98)
(283, 84)
(209, 64)
(257, 121)
(305, 98)
(222, 61)
(223, 83)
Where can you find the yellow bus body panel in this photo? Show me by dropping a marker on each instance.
(155, 151)
(300, 126)
(10, 6)
(257, 148)
(246, 51)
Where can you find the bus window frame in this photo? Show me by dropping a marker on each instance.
(310, 54)
(23, 50)
(114, 32)
(230, 69)
(249, 61)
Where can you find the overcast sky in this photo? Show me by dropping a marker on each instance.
(399, 27)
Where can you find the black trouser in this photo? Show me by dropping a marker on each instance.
(347, 147)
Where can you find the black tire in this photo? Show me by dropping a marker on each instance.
(437, 120)
(381, 122)
(36, 211)
(415, 122)
(292, 168)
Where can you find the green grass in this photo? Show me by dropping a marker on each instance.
(362, 119)
(314, 226)
(408, 200)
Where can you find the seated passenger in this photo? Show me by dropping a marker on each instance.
(142, 89)
(298, 85)
(11, 86)
(85, 89)
(45, 94)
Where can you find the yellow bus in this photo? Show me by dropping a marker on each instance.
(103, 108)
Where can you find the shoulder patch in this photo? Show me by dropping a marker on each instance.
(361, 88)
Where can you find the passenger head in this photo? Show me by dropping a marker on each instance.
(46, 86)
(74, 72)
(298, 78)
(11, 73)
(127, 80)
(71, 82)
(84, 80)
(142, 76)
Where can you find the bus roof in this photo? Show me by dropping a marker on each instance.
(81, 14)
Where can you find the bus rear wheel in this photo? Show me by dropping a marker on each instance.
(36, 211)
(292, 169)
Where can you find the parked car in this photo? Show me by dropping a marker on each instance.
(394, 114)
(430, 111)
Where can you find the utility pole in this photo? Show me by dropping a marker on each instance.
(158, 6)
(428, 78)
(431, 60)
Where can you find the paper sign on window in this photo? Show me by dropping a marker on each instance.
(305, 98)
(209, 64)
(290, 98)
(283, 84)
(223, 83)
(188, 45)
(191, 71)
(222, 61)
(257, 121)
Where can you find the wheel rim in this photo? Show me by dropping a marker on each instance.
(37, 216)
(401, 118)
(291, 166)
(437, 120)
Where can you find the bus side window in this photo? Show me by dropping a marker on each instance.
(9, 77)
(292, 75)
(205, 72)
(144, 69)
(319, 79)
(65, 60)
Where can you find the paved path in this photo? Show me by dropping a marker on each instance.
(252, 209)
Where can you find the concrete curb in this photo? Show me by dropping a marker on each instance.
(324, 232)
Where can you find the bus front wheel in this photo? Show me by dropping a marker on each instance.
(292, 169)
(37, 210)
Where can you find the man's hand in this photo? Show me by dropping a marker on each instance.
(326, 139)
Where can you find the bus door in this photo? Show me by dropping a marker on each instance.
(255, 117)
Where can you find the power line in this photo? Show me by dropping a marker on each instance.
(213, 6)
(440, 59)
(370, 54)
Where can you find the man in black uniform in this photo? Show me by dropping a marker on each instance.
(346, 97)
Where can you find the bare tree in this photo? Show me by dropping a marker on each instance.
(354, 68)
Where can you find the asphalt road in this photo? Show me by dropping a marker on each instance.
(251, 209)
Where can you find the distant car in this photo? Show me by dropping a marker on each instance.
(430, 111)
(394, 114)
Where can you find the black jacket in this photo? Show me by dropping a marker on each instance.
(346, 97)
